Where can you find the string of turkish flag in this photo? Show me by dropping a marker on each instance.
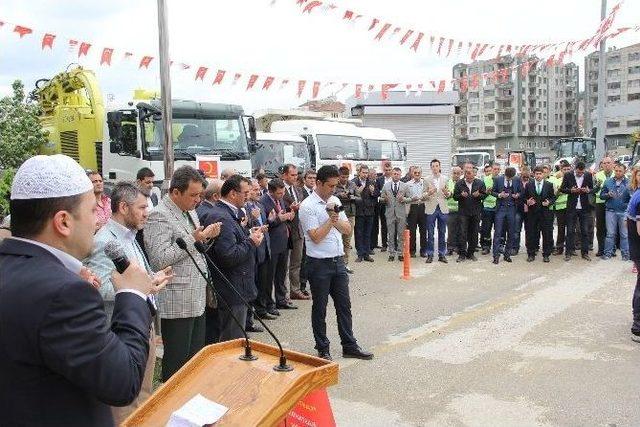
(446, 46)
(524, 63)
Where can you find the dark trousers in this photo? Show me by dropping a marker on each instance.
(328, 277)
(212, 327)
(417, 218)
(382, 220)
(303, 268)
(229, 329)
(453, 229)
(561, 220)
(468, 234)
(182, 338)
(505, 225)
(278, 274)
(635, 328)
(264, 302)
(601, 226)
(439, 218)
(375, 228)
(488, 218)
(540, 222)
(581, 215)
(363, 228)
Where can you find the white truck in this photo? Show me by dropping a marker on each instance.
(382, 145)
(275, 149)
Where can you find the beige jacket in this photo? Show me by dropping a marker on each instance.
(438, 198)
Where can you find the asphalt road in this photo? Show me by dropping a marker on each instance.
(482, 345)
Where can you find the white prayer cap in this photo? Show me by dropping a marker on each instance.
(47, 177)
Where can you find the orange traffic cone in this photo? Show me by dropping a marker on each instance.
(406, 264)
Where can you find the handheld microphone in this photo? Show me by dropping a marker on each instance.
(115, 253)
(247, 356)
(282, 366)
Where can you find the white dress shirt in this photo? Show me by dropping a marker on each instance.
(579, 181)
(313, 213)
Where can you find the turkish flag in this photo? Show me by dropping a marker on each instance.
(440, 45)
(22, 31)
(383, 30)
(464, 84)
(105, 58)
(47, 41)
(358, 93)
(416, 43)
(201, 72)
(83, 49)
(311, 5)
(374, 22)
(252, 81)
(406, 36)
(209, 167)
(145, 61)
(268, 82)
(348, 14)
(384, 92)
(301, 85)
(314, 409)
(316, 89)
(219, 76)
(236, 77)
(449, 48)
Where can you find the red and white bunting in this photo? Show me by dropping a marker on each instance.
(253, 78)
(83, 49)
(301, 85)
(47, 41)
(202, 71)
(268, 81)
(315, 90)
(22, 31)
(219, 76)
(145, 62)
(105, 58)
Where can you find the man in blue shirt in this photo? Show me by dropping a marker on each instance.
(615, 193)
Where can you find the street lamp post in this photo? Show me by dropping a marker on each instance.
(165, 93)
(602, 81)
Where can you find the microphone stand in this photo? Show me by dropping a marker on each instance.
(282, 366)
(248, 355)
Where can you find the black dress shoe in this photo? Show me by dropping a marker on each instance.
(423, 255)
(507, 258)
(287, 306)
(472, 258)
(599, 254)
(391, 258)
(531, 258)
(460, 258)
(413, 255)
(273, 312)
(359, 259)
(325, 355)
(266, 316)
(306, 292)
(400, 257)
(254, 328)
(572, 253)
(429, 259)
(350, 271)
(443, 259)
(450, 252)
(357, 353)
(567, 257)
(384, 249)
(545, 259)
(485, 251)
(496, 259)
(372, 252)
(368, 258)
(586, 257)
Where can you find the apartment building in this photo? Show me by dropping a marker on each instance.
(517, 111)
(622, 107)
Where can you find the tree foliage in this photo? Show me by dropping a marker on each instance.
(21, 136)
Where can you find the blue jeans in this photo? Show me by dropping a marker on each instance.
(616, 226)
(328, 277)
(363, 227)
(504, 222)
(441, 219)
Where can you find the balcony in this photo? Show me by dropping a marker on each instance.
(504, 109)
(504, 134)
(533, 83)
(505, 85)
(505, 121)
(504, 97)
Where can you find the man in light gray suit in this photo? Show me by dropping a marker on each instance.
(396, 213)
(182, 302)
(129, 214)
(435, 206)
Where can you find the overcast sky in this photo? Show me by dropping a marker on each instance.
(256, 36)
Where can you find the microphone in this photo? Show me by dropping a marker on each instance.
(247, 356)
(115, 253)
(282, 366)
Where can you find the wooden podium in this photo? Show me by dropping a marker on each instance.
(254, 392)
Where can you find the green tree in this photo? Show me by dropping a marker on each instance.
(21, 136)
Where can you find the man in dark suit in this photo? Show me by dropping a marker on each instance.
(277, 217)
(61, 362)
(507, 189)
(539, 197)
(387, 176)
(469, 192)
(233, 251)
(293, 196)
(366, 199)
(577, 184)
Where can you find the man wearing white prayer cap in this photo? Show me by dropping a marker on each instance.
(61, 364)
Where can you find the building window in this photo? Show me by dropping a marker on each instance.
(524, 128)
(612, 74)
(489, 92)
(539, 116)
(633, 83)
(634, 56)
(613, 85)
(634, 70)
(613, 98)
(633, 97)
(633, 123)
(614, 59)
(490, 105)
(474, 119)
(611, 125)
(556, 117)
(473, 131)
(489, 129)
(544, 104)
(473, 95)
(490, 117)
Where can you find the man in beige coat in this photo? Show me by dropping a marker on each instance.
(436, 209)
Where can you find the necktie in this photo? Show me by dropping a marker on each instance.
(186, 214)
(395, 188)
(538, 188)
(293, 194)
(278, 208)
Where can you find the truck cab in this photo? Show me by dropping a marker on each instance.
(275, 149)
(576, 149)
(382, 145)
(199, 129)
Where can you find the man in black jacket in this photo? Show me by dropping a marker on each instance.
(61, 362)
(366, 199)
(469, 192)
(577, 184)
(539, 196)
(234, 253)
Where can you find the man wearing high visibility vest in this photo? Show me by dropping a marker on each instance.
(489, 208)
(603, 174)
(560, 206)
(453, 220)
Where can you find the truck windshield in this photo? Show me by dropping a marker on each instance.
(273, 154)
(191, 136)
(582, 149)
(383, 150)
(339, 147)
(477, 159)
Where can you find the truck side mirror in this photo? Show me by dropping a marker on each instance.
(114, 123)
(404, 150)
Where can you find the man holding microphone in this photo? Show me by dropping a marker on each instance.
(323, 223)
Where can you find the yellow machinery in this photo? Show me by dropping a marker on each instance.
(73, 114)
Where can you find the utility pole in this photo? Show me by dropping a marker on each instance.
(602, 81)
(165, 93)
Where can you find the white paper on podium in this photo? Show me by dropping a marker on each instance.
(197, 412)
